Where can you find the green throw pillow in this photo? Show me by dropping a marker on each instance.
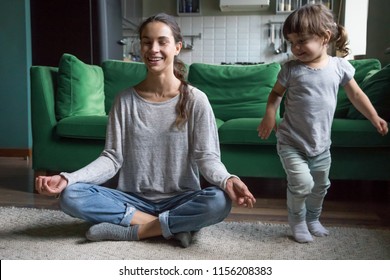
(377, 88)
(119, 75)
(80, 89)
(362, 68)
(235, 91)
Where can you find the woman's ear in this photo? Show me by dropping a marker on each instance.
(179, 45)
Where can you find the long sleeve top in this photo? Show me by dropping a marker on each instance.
(154, 158)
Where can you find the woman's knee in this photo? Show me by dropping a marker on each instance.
(70, 198)
(219, 203)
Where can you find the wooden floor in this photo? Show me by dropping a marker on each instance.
(348, 203)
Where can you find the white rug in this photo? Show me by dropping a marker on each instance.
(27, 234)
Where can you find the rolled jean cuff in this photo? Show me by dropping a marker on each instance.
(130, 210)
(163, 218)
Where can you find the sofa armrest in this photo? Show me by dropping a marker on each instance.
(43, 89)
(43, 119)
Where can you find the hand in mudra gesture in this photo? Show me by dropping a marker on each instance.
(50, 185)
(239, 193)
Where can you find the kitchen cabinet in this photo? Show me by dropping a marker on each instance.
(287, 6)
(188, 8)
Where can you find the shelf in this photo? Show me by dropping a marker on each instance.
(188, 8)
(328, 3)
(288, 6)
(190, 46)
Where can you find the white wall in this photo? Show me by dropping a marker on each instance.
(356, 14)
(229, 39)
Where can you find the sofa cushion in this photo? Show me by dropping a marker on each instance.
(219, 122)
(243, 131)
(119, 75)
(235, 91)
(83, 127)
(377, 88)
(363, 68)
(80, 88)
(345, 133)
(357, 133)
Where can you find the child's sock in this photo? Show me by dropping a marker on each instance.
(107, 231)
(317, 229)
(301, 232)
(185, 238)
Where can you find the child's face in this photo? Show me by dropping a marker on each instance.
(307, 47)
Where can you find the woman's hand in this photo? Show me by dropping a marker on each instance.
(50, 185)
(239, 193)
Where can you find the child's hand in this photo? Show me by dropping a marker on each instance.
(265, 127)
(381, 125)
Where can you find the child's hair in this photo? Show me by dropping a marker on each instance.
(180, 69)
(316, 19)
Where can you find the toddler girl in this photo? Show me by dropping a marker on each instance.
(312, 81)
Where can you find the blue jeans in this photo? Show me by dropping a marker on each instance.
(186, 212)
(307, 182)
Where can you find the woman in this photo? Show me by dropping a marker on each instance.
(160, 135)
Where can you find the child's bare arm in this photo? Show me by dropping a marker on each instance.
(269, 121)
(363, 104)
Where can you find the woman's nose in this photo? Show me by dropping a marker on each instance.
(155, 47)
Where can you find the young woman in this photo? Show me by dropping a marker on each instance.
(312, 81)
(160, 135)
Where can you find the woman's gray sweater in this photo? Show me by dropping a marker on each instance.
(154, 158)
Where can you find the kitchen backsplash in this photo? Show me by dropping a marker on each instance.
(226, 39)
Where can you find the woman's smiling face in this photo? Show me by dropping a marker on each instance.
(158, 46)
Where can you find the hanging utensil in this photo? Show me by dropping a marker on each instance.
(279, 35)
(272, 35)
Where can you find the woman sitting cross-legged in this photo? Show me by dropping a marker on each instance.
(161, 134)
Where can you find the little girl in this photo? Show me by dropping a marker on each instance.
(312, 81)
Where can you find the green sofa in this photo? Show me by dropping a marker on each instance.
(66, 139)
